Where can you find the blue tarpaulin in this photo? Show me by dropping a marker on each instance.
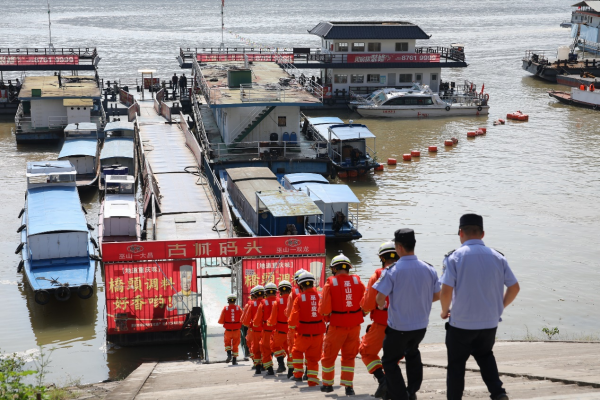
(117, 147)
(52, 209)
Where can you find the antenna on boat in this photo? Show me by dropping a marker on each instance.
(222, 46)
(50, 45)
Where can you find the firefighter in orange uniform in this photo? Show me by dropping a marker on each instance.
(288, 312)
(259, 293)
(309, 327)
(231, 318)
(342, 295)
(372, 342)
(279, 343)
(260, 320)
(249, 332)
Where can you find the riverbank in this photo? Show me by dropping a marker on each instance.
(530, 370)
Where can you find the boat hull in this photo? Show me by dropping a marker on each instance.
(566, 98)
(433, 112)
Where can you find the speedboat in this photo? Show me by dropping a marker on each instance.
(81, 148)
(119, 218)
(57, 248)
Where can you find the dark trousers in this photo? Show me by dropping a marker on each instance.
(462, 343)
(398, 344)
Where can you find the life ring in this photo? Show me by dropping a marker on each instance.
(486, 97)
(85, 292)
(62, 293)
(42, 297)
(479, 108)
(447, 108)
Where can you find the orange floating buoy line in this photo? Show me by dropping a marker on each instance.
(499, 121)
(518, 116)
(407, 157)
(448, 143)
(352, 173)
(415, 153)
(471, 134)
(454, 140)
(391, 161)
(378, 168)
(342, 174)
(433, 149)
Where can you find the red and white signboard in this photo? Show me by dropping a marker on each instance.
(39, 60)
(393, 58)
(260, 271)
(260, 57)
(150, 296)
(225, 247)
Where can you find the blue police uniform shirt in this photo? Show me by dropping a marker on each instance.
(478, 275)
(410, 285)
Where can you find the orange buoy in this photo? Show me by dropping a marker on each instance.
(448, 143)
(454, 140)
(471, 134)
(415, 153)
(406, 157)
(342, 174)
(502, 122)
(523, 117)
(391, 161)
(433, 149)
(379, 167)
(352, 173)
(484, 130)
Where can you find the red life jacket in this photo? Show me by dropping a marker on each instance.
(282, 321)
(233, 315)
(253, 309)
(311, 323)
(267, 308)
(377, 315)
(345, 303)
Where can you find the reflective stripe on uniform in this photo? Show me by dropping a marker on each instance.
(315, 380)
(311, 372)
(373, 364)
(327, 382)
(281, 300)
(279, 353)
(234, 354)
(346, 383)
(355, 279)
(348, 369)
(292, 327)
(303, 297)
(298, 361)
(334, 281)
(325, 369)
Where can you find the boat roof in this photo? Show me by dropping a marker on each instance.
(368, 30)
(119, 205)
(252, 173)
(120, 179)
(78, 147)
(117, 147)
(594, 5)
(252, 180)
(70, 87)
(49, 167)
(119, 126)
(324, 120)
(350, 131)
(329, 194)
(288, 203)
(82, 126)
(54, 209)
(305, 178)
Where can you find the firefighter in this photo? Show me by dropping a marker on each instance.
(309, 327)
(263, 313)
(259, 293)
(291, 331)
(279, 343)
(249, 333)
(342, 295)
(231, 321)
(372, 342)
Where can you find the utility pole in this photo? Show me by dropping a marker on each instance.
(50, 45)
(222, 47)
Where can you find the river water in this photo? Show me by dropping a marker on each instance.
(536, 184)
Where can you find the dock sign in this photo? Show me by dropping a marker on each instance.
(39, 60)
(393, 58)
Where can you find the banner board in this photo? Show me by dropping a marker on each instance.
(393, 58)
(39, 60)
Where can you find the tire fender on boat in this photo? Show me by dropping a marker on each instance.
(22, 212)
(85, 292)
(42, 297)
(479, 108)
(20, 266)
(94, 242)
(62, 293)
(19, 248)
(447, 108)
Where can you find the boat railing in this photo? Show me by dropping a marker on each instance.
(537, 56)
(201, 130)
(267, 149)
(268, 93)
(307, 84)
(353, 218)
(57, 121)
(447, 53)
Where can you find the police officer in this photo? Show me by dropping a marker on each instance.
(412, 285)
(231, 320)
(372, 342)
(473, 282)
(342, 295)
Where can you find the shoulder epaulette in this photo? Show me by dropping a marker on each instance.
(450, 252)
(502, 254)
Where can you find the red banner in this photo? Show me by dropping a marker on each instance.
(147, 82)
(393, 58)
(149, 297)
(260, 271)
(224, 247)
(261, 57)
(39, 60)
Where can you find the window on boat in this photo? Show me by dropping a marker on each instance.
(374, 47)
(281, 121)
(405, 78)
(357, 78)
(419, 78)
(380, 98)
(358, 46)
(339, 78)
(398, 101)
(342, 46)
(373, 78)
(424, 101)
(402, 46)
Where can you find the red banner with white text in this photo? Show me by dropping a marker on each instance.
(39, 60)
(393, 58)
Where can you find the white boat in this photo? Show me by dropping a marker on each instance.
(81, 148)
(119, 219)
(118, 156)
(421, 103)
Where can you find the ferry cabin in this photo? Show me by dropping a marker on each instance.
(363, 56)
(118, 153)
(585, 26)
(50, 103)
(81, 148)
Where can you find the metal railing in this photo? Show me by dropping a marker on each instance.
(83, 53)
(244, 150)
(253, 93)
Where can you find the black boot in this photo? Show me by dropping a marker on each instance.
(413, 396)
(381, 392)
(280, 364)
(326, 389)
(290, 372)
(258, 369)
(349, 391)
(234, 361)
(270, 371)
(305, 376)
(228, 356)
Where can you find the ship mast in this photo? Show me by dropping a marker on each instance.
(50, 45)
(222, 46)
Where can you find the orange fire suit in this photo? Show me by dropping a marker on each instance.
(278, 319)
(291, 332)
(248, 331)
(342, 295)
(372, 342)
(309, 327)
(260, 320)
(256, 331)
(231, 320)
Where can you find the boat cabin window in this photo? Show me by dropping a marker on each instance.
(357, 78)
(405, 78)
(402, 46)
(373, 78)
(119, 188)
(419, 78)
(380, 98)
(281, 121)
(359, 46)
(342, 46)
(374, 47)
(409, 101)
(339, 78)
(60, 178)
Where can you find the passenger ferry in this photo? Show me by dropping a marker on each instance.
(119, 217)
(118, 156)
(82, 148)
(341, 224)
(57, 248)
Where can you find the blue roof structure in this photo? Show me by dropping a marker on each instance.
(325, 120)
(53, 209)
(368, 30)
(78, 147)
(329, 194)
(348, 132)
(305, 177)
(119, 126)
(117, 147)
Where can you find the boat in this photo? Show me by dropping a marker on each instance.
(578, 97)
(262, 207)
(341, 225)
(422, 103)
(57, 248)
(81, 148)
(119, 218)
(118, 156)
(346, 144)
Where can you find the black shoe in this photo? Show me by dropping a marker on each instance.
(281, 365)
(326, 389)
(234, 361)
(258, 369)
(381, 392)
(228, 356)
(305, 376)
(501, 396)
(290, 372)
(294, 379)
(411, 396)
(349, 391)
(270, 371)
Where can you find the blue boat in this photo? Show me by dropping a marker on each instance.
(81, 148)
(118, 153)
(57, 249)
(341, 224)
